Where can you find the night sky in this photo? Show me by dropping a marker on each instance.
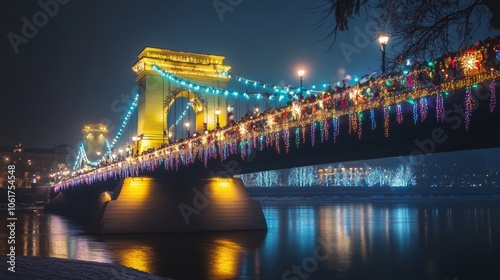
(75, 66)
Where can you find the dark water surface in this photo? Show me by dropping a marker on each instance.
(414, 240)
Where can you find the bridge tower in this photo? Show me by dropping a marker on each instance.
(94, 139)
(157, 94)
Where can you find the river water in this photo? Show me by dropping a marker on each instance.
(412, 240)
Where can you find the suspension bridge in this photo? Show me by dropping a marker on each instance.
(179, 170)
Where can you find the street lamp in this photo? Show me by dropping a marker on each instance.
(217, 113)
(382, 40)
(301, 76)
(136, 139)
(187, 124)
(136, 145)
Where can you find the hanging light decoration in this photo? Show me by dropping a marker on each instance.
(440, 107)
(372, 117)
(326, 128)
(423, 108)
(286, 139)
(313, 133)
(469, 104)
(297, 136)
(386, 121)
(336, 127)
(360, 124)
(415, 111)
(493, 98)
(399, 113)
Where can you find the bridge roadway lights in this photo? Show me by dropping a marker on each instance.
(157, 204)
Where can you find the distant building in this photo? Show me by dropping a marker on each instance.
(33, 165)
(329, 176)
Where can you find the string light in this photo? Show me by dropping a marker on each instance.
(372, 117)
(336, 128)
(326, 128)
(303, 134)
(415, 111)
(354, 122)
(297, 136)
(256, 84)
(78, 157)
(249, 146)
(423, 108)
(399, 114)
(493, 98)
(440, 107)
(468, 107)
(322, 131)
(350, 123)
(286, 139)
(276, 138)
(386, 121)
(360, 124)
(179, 119)
(313, 133)
(206, 89)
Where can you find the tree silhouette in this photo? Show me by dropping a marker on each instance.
(418, 29)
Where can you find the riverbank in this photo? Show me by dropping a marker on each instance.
(31, 268)
(364, 194)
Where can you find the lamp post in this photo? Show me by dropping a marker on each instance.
(301, 76)
(382, 40)
(217, 113)
(137, 146)
(187, 124)
(137, 139)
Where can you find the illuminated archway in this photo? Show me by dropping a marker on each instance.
(195, 101)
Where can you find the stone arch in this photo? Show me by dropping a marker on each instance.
(197, 103)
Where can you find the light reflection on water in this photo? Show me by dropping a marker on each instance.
(359, 241)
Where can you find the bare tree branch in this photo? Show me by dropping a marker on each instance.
(419, 30)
